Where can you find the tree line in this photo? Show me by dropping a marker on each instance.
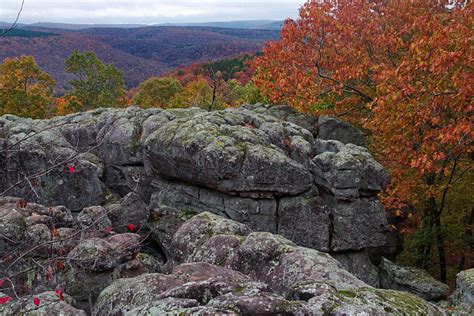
(27, 90)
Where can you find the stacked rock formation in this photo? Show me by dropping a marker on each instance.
(274, 171)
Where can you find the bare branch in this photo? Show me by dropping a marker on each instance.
(14, 25)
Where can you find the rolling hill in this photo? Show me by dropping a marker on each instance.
(139, 53)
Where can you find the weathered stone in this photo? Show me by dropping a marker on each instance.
(64, 240)
(357, 225)
(85, 286)
(331, 128)
(371, 302)
(349, 173)
(306, 220)
(173, 203)
(130, 210)
(127, 294)
(224, 151)
(49, 304)
(93, 254)
(38, 237)
(97, 254)
(287, 113)
(412, 280)
(290, 271)
(12, 227)
(123, 180)
(239, 163)
(358, 263)
(463, 297)
(94, 218)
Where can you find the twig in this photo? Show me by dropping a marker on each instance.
(16, 20)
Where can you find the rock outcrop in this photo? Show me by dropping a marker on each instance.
(268, 167)
(259, 194)
(220, 266)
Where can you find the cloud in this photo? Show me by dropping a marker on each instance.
(147, 11)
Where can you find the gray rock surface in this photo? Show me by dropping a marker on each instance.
(264, 170)
(331, 128)
(411, 279)
(233, 151)
(220, 266)
(349, 172)
(267, 167)
(359, 264)
(49, 304)
(463, 297)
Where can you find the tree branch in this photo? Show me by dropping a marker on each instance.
(13, 26)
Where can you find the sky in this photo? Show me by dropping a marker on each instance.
(147, 11)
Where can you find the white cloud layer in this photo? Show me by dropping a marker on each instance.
(147, 11)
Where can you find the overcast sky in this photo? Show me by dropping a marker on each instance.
(147, 11)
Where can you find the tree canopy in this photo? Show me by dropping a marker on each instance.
(96, 84)
(157, 92)
(25, 89)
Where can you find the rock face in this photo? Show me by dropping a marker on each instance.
(413, 280)
(216, 266)
(255, 192)
(463, 297)
(220, 266)
(269, 167)
(48, 249)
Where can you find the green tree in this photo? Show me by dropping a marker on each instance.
(25, 89)
(242, 94)
(96, 84)
(157, 92)
(199, 93)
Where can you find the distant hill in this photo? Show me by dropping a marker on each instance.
(139, 53)
(252, 24)
(18, 32)
(69, 26)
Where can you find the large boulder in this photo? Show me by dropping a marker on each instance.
(348, 172)
(413, 280)
(269, 167)
(331, 128)
(230, 151)
(463, 297)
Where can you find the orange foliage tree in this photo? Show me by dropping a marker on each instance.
(25, 89)
(401, 69)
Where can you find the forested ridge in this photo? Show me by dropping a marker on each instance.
(140, 53)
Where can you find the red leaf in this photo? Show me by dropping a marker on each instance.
(71, 169)
(60, 294)
(5, 299)
(108, 230)
(22, 203)
(131, 227)
(1, 282)
(36, 301)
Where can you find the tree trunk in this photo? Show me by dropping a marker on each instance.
(441, 248)
(427, 241)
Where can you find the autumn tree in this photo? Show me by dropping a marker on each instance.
(401, 69)
(157, 92)
(25, 89)
(244, 94)
(96, 84)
